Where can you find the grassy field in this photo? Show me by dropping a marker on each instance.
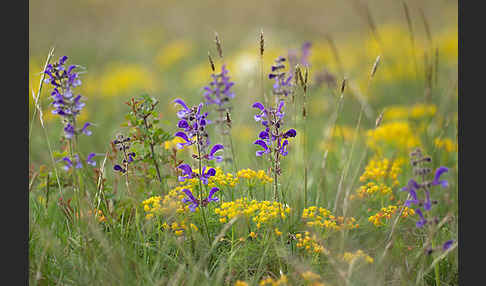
(364, 105)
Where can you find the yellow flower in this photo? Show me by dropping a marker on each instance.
(240, 283)
(396, 135)
(173, 53)
(124, 78)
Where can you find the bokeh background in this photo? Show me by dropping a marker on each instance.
(160, 47)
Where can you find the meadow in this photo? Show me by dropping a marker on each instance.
(285, 159)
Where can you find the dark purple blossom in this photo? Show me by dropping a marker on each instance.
(447, 245)
(119, 168)
(265, 150)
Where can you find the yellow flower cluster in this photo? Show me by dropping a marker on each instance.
(386, 213)
(350, 256)
(252, 175)
(446, 144)
(179, 227)
(240, 283)
(270, 281)
(397, 135)
(220, 179)
(403, 112)
(309, 243)
(322, 218)
(380, 170)
(372, 188)
(262, 213)
(169, 204)
(173, 53)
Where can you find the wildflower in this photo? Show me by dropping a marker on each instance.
(69, 162)
(282, 83)
(90, 161)
(195, 202)
(447, 244)
(422, 220)
(219, 90)
(438, 173)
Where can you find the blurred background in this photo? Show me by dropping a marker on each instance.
(160, 48)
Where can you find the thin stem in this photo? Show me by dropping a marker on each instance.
(152, 151)
(200, 186)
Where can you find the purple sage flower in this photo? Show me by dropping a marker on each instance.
(219, 89)
(90, 161)
(447, 245)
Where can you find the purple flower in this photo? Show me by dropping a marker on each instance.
(422, 220)
(411, 188)
(90, 161)
(290, 133)
(262, 114)
(265, 147)
(183, 112)
(216, 148)
(211, 193)
(282, 85)
(438, 173)
(206, 174)
(219, 90)
(190, 199)
(283, 148)
(69, 163)
(119, 168)
(69, 131)
(187, 172)
(85, 129)
(447, 245)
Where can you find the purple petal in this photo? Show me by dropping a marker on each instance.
(186, 169)
(259, 106)
(290, 133)
(447, 244)
(439, 173)
(261, 143)
(181, 102)
(215, 149)
(189, 194)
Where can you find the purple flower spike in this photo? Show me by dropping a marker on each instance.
(90, 161)
(186, 172)
(264, 145)
(422, 220)
(85, 129)
(216, 148)
(447, 245)
(290, 133)
(439, 173)
(211, 193)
